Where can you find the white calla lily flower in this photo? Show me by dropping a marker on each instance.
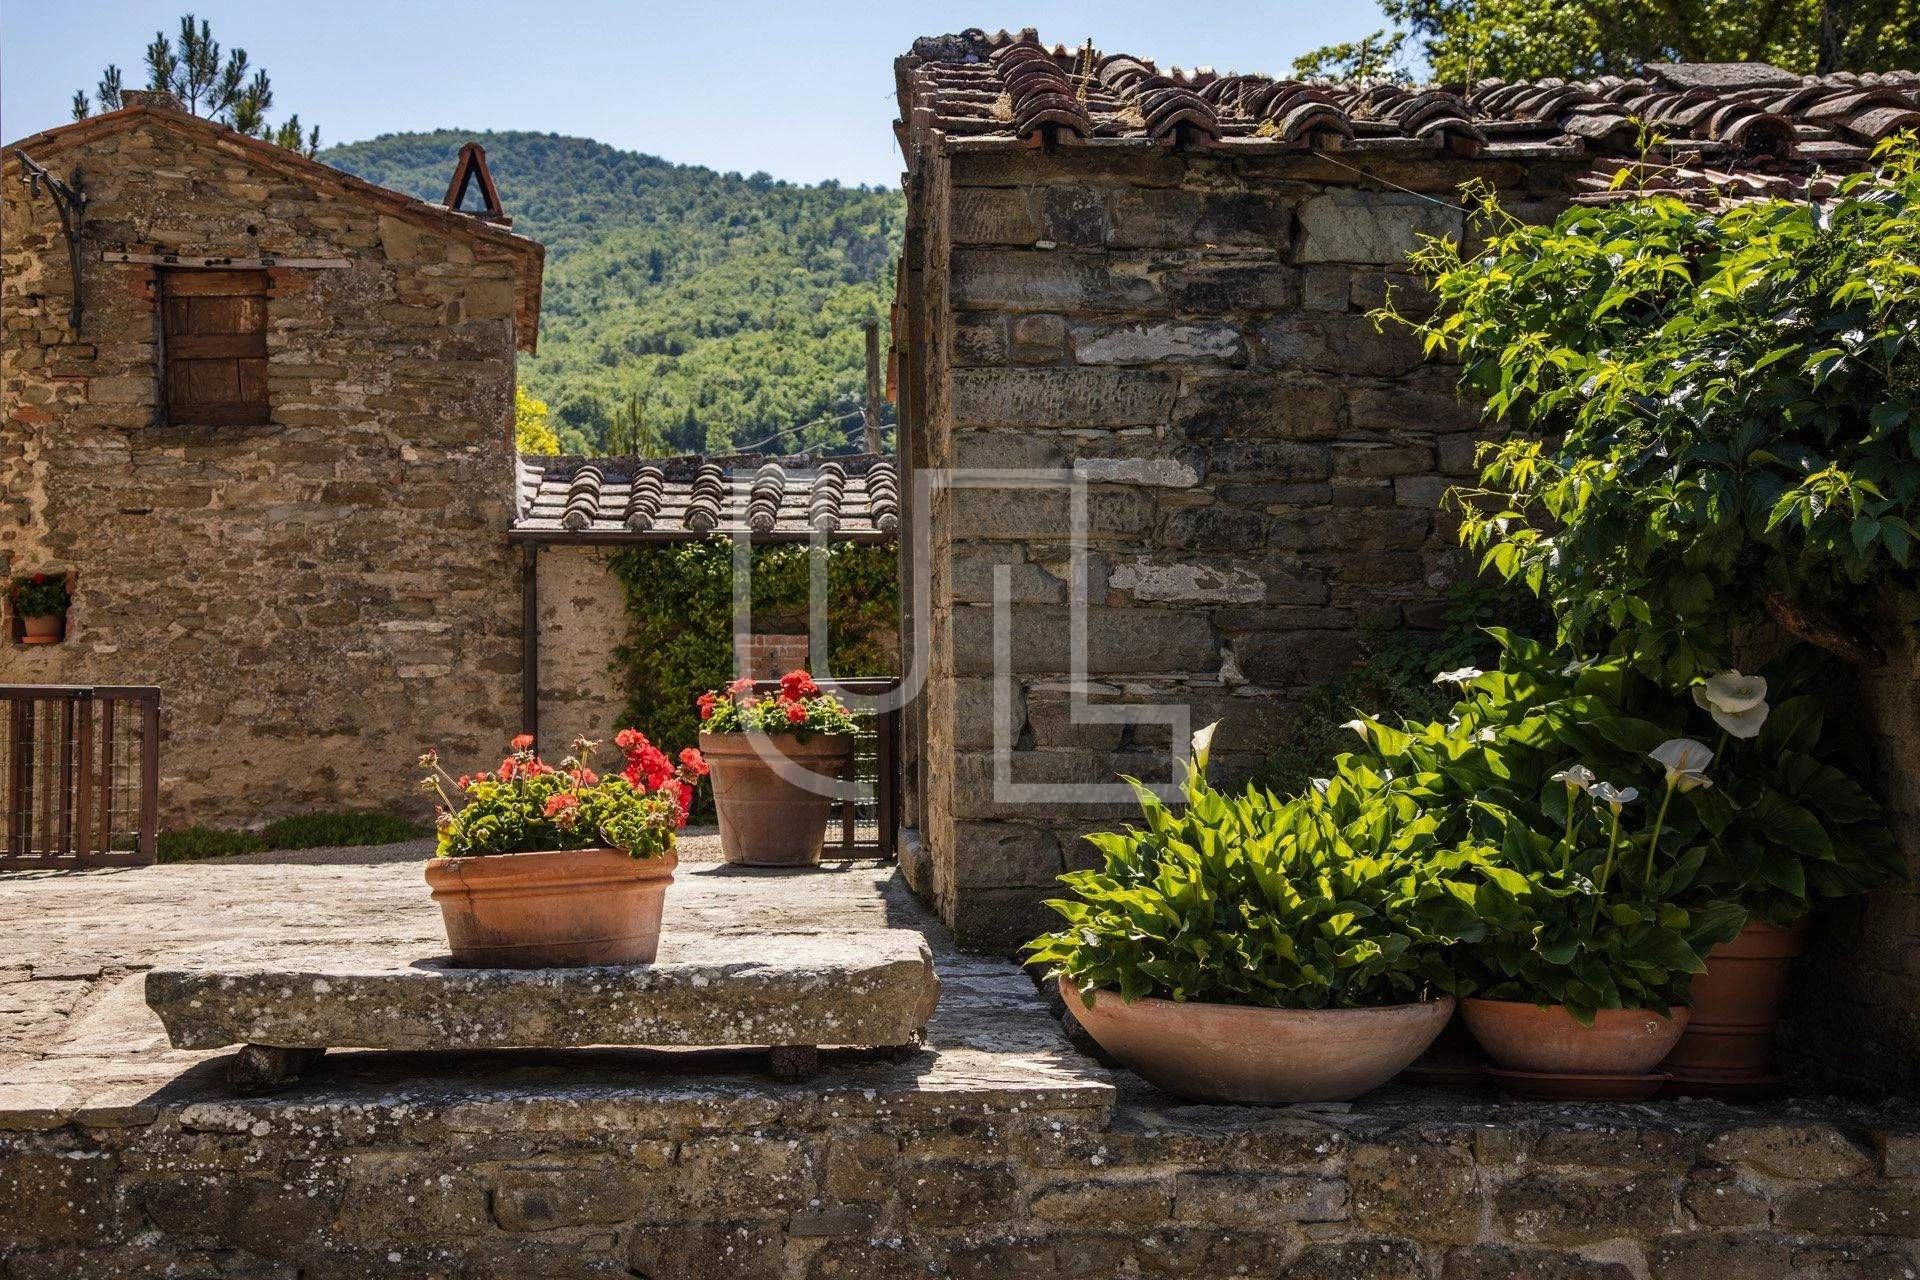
(1459, 675)
(1576, 777)
(1731, 692)
(1616, 798)
(1203, 745)
(1742, 724)
(1358, 726)
(1685, 761)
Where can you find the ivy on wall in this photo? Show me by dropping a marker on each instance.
(679, 601)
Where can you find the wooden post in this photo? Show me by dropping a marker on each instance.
(872, 410)
(530, 640)
(149, 845)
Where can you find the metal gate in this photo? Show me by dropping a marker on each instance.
(870, 823)
(80, 773)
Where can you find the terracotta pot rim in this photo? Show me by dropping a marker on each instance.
(1073, 993)
(437, 860)
(723, 741)
(1548, 1008)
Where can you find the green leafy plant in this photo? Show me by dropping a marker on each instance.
(198, 843)
(679, 605)
(1310, 903)
(799, 708)
(1769, 818)
(341, 828)
(39, 595)
(1714, 411)
(525, 805)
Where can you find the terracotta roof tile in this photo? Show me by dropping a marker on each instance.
(676, 499)
(1744, 116)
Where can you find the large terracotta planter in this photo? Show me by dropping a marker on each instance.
(767, 820)
(557, 910)
(1237, 1053)
(1522, 1036)
(1736, 1003)
(41, 628)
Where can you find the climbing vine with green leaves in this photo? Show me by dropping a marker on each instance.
(679, 601)
(1714, 411)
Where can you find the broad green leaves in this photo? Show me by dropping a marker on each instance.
(1709, 407)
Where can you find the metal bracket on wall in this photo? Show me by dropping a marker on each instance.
(70, 202)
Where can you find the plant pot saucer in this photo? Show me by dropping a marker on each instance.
(1577, 1086)
(40, 640)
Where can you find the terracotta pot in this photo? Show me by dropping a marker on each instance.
(556, 910)
(1238, 1053)
(1522, 1036)
(1736, 1003)
(765, 819)
(42, 628)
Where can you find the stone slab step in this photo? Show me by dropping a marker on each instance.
(871, 988)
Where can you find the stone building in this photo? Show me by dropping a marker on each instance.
(1154, 291)
(269, 434)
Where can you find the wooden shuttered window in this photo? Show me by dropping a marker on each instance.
(215, 345)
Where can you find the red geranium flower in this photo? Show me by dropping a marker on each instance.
(507, 769)
(585, 776)
(686, 803)
(706, 701)
(797, 684)
(795, 713)
(629, 740)
(562, 802)
(39, 579)
(521, 741)
(695, 762)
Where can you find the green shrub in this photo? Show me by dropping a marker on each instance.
(679, 601)
(1251, 900)
(324, 830)
(192, 844)
(341, 828)
(1714, 412)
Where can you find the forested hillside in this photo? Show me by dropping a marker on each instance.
(726, 308)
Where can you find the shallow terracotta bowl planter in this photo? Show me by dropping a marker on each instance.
(1237, 1053)
(1736, 1004)
(552, 910)
(1522, 1036)
(765, 819)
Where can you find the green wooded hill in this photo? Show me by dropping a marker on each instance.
(731, 306)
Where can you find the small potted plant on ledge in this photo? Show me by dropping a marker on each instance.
(542, 867)
(40, 601)
(771, 753)
(1242, 948)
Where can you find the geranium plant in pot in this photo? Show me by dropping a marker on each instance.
(776, 757)
(41, 601)
(553, 867)
(1245, 948)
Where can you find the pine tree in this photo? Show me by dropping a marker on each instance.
(228, 89)
(629, 432)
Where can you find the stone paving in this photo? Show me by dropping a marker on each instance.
(76, 1035)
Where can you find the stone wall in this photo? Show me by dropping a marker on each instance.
(686, 1183)
(318, 599)
(583, 619)
(1853, 1013)
(1263, 464)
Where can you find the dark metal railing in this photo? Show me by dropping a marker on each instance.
(79, 775)
(870, 821)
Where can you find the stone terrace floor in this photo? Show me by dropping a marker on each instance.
(76, 1036)
(998, 1152)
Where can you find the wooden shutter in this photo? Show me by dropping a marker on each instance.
(216, 347)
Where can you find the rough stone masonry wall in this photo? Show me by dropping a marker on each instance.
(583, 619)
(318, 599)
(716, 1184)
(1264, 464)
(1854, 1008)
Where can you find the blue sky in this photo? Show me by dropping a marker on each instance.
(801, 90)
